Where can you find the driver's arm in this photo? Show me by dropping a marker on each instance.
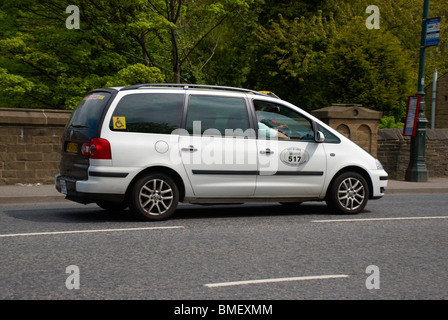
(281, 135)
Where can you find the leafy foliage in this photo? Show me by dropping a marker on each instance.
(388, 122)
(310, 52)
(372, 70)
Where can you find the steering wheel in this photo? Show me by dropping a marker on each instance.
(285, 130)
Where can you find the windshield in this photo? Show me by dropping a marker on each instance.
(89, 111)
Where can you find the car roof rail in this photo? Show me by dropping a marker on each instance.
(187, 86)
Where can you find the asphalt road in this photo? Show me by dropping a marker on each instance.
(253, 251)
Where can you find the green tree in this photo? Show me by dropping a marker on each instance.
(44, 64)
(370, 69)
(188, 25)
(328, 55)
(289, 53)
(403, 19)
(310, 52)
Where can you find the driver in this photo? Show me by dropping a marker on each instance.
(271, 133)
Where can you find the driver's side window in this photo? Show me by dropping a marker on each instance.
(276, 121)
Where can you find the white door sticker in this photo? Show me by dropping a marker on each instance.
(294, 157)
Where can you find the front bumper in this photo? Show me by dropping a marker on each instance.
(379, 184)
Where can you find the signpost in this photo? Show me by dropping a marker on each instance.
(416, 170)
(410, 124)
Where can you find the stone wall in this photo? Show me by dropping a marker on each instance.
(30, 143)
(394, 152)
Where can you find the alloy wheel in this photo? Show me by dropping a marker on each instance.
(351, 194)
(156, 197)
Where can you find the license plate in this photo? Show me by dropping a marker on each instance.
(63, 187)
(72, 147)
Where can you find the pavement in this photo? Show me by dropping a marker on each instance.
(39, 193)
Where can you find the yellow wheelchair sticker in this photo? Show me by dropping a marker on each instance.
(119, 123)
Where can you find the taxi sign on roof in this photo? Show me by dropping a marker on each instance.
(269, 93)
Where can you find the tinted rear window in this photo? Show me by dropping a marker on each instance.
(148, 113)
(88, 112)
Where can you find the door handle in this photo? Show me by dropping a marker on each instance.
(267, 151)
(189, 149)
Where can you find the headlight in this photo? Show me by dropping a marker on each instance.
(379, 166)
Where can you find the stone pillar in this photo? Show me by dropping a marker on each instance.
(357, 123)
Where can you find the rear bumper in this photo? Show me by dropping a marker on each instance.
(68, 186)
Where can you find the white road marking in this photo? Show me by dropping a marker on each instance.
(238, 283)
(381, 219)
(84, 231)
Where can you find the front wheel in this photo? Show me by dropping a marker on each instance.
(348, 193)
(154, 197)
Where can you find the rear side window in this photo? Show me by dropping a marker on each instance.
(88, 112)
(224, 116)
(148, 113)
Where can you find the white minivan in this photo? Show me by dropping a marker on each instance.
(150, 146)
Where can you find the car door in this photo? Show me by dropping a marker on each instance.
(219, 152)
(291, 164)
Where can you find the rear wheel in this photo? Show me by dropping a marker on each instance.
(154, 197)
(348, 193)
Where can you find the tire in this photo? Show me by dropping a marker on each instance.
(154, 197)
(348, 193)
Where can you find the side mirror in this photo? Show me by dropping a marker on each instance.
(319, 137)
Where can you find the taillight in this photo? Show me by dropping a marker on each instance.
(97, 149)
